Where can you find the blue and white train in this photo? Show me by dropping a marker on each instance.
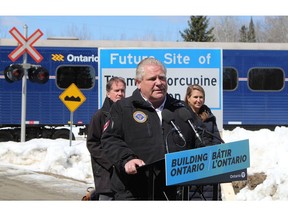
(254, 85)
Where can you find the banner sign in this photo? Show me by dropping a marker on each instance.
(188, 166)
(185, 66)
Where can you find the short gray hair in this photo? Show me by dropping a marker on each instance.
(148, 61)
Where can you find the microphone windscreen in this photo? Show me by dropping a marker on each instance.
(185, 115)
(167, 115)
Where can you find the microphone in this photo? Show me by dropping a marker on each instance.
(185, 115)
(167, 116)
(208, 132)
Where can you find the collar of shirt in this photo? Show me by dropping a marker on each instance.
(159, 109)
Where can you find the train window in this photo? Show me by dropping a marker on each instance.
(266, 79)
(230, 78)
(82, 76)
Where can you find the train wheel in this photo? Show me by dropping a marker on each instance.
(5, 136)
(62, 133)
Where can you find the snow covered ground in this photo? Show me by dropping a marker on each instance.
(268, 154)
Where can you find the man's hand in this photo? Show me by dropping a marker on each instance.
(131, 166)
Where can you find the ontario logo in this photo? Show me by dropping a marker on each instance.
(57, 57)
(75, 58)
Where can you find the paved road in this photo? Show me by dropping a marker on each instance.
(19, 184)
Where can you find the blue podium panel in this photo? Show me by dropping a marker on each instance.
(190, 166)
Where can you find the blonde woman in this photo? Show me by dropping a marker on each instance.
(203, 117)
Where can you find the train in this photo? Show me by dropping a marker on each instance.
(254, 85)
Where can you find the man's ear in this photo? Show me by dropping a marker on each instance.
(138, 83)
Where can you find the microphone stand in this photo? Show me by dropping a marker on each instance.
(211, 134)
(193, 128)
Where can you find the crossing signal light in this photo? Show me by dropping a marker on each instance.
(13, 72)
(38, 75)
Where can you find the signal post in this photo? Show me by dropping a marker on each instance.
(16, 72)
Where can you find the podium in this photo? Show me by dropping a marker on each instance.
(183, 188)
(203, 166)
(150, 169)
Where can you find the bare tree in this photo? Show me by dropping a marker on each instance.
(276, 29)
(259, 26)
(81, 33)
(226, 28)
(4, 33)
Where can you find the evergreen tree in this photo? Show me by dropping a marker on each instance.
(243, 34)
(251, 32)
(198, 30)
(248, 35)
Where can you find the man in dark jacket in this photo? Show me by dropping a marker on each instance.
(138, 135)
(101, 166)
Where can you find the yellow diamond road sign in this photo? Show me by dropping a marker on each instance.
(72, 97)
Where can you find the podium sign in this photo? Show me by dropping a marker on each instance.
(191, 166)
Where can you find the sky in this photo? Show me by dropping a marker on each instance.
(163, 28)
(268, 153)
(153, 28)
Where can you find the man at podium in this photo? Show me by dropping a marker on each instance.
(143, 128)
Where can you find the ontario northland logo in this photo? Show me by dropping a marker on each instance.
(75, 58)
(57, 57)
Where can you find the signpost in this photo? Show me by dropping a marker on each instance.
(72, 97)
(25, 46)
